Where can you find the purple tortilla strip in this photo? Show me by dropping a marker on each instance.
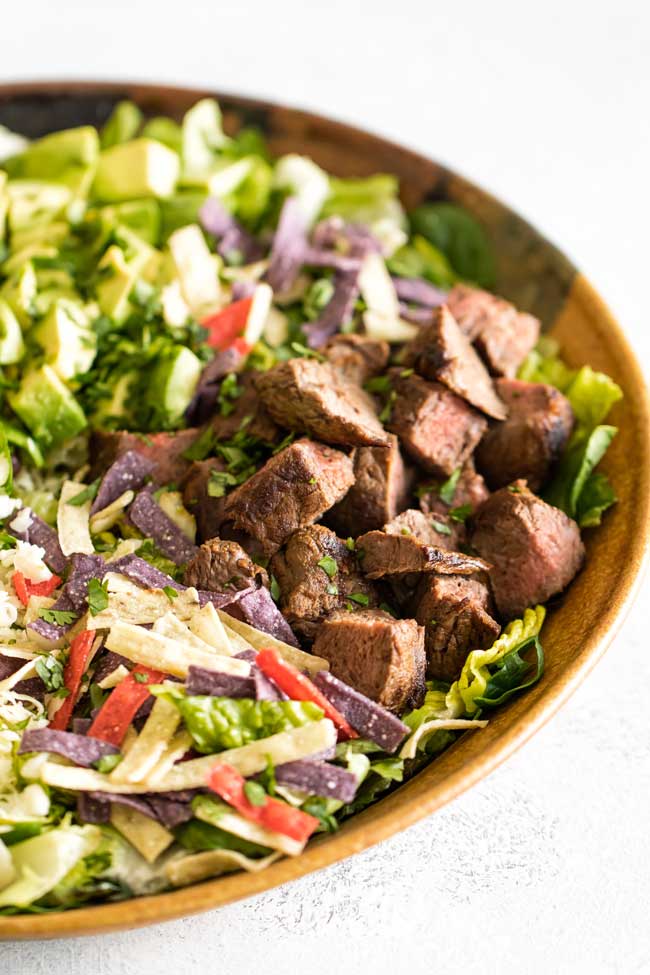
(202, 404)
(368, 718)
(242, 289)
(40, 533)
(31, 686)
(170, 812)
(108, 662)
(152, 521)
(336, 312)
(216, 219)
(265, 688)
(417, 315)
(84, 568)
(81, 725)
(78, 748)
(168, 808)
(289, 244)
(419, 292)
(93, 808)
(143, 573)
(128, 473)
(318, 257)
(52, 632)
(201, 681)
(220, 600)
(258, 609)
(318, 779)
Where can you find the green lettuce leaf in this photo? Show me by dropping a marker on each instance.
(197, 835)
(460, 237)
(573, 474)
(216, 723)
(470, 692)
(362, 200)
(420, 259)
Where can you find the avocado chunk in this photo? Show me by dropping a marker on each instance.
(35, 202)
(140, 216)
(115, 284)
(67, 157)
(116, 406)
(19, 291)
(69, 344)
(47, 407)
(173, 383)
(123, 124)
(12, 347)
(165, 130)
(130, 170)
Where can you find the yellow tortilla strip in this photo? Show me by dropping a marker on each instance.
(72, 521)
(212, 863)
(170, 626)
(148, 837)
(171, 656)
(208, 627)
(104, 519)
(175, 750)
(131, 604)
(233, 823)
(150, 744)
(258, 640)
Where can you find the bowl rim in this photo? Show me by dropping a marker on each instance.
(386, 817)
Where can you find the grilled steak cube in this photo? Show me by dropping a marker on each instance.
(428, 529)
(315, 398)
(376, 654)
(455, 613)
(357, 357)
(293, 489)
(318, 574)
(382, 553)
(535, 549)
(441, 351)
(470, 492)
(380, 490)
(220, 565)
(196, 497)
(164, 449)
(437, 429)
(503, 336)
(239, 408)
(528, 443)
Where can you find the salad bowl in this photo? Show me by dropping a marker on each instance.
(536, 276)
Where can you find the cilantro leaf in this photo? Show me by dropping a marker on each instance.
(328, 565)
(88, 494)
(255, 793)
(441, 528)
(360, 598)
(50, 670)
(171, 593)
(448, 489)
(59, 617)
(97, 596)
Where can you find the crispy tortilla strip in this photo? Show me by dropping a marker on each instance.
(170, 626)
(257, 640)
(208, 627)
(102, 520)
(72, 521)
(180, 743)
(236, 641)
(150, 744)
(148, 837)
(233, 823)
(153, 650)
(114, 678)
(286, 746)
(212, 863)
(129, 603)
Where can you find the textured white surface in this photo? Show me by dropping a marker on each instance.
(544, 867)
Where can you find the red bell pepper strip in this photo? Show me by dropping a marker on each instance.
(72, 673)
(229, 323)
(26, 588)
(273, 815)
(298, 687)
(118, 711)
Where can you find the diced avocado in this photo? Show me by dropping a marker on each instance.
(67, 157)
(165, 130)
(117, 405)
(45, 234)
(12, 347)
(19, 291)
(220, 180)
(69, 344)
(139, 255)
(47, 407)
(123, 124)
(180, 210)
(173, 383)
(21, 255)
(4, 204)
(202, 136)
(140, 216)
(33, 202)
(53, 284)
(114, 285)
(142, 167)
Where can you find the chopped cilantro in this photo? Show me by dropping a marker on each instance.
(275, 589)
(378, 384)
(360, 598)
(141, 678)
(59, 617)
(388, 609)
(385, 414)
(461, 513)
(328, 565)
(97, 596)
(171, 593)
(255, 793)
(219, 483)
(88, 494)
(350, 543)
(305, 353)
(229, 391)
(515, 489)
(50, 670)
(202, 446)
(448, 489)
(405, 373)
(312, 480)
(285, 442)
(332, 589)
(441, 528)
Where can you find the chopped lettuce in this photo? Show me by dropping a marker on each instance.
(460, 237)
(420, 259)
(216, 723)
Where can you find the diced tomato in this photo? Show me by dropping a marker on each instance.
(229, 323)
(273, 814)
(299, 687)
(240, 345)
(72, 673)
(26, 588)
(118, 711)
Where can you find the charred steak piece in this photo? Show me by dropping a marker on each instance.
(441, 351)
(470, 491)
(197, 499)
(455, 613)
(292, 490)
(436, 428)
(357, 357)
(535, 549)
(164, 449)
(503, 336)
(318, 574)
(376, 654)
(315, 398)
(528, 443)
(382, 553)
(220, 565)
(380, 490)
(239, 407)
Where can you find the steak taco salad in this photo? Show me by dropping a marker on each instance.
(284, 491)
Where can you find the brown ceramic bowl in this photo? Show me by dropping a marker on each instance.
(537, 277)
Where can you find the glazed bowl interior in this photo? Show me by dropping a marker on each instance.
(538, 278)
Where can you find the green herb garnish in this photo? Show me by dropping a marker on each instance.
(360, 598)
(59, 617)
(171, 593)
(328, 565)
(461, 513)
(441, 528)
(88, 494)
(50, 670)
(97, 596)
(107, 763)
(448, 489)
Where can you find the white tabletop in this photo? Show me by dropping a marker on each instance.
(543, 867)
